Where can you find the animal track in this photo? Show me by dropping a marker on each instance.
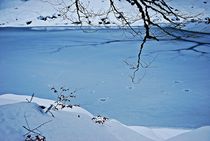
(186, 90)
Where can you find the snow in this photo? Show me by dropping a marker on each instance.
(169, 102)
(194, 7)
(31, 10)
(66, 125)
(18, 12)
(11, 99)
(159, 134)
(198, 134)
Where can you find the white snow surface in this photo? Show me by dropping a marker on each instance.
(15, 113)
(18, 12)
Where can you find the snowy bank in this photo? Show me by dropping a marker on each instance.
(24, 13)
(77, 124)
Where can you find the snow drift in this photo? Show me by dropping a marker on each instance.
(76, 124)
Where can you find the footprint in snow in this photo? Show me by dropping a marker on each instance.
(130, 87)
(186, 90)
(103, 99)
(177, 82)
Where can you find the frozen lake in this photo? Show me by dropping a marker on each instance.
(173, 90)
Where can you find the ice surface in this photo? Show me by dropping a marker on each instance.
(174, 88)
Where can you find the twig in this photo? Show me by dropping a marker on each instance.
(29, 101)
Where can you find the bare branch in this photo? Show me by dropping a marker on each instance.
(29, 101)
(114, 14)
(34, 129)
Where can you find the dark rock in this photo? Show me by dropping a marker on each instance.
(29, 22)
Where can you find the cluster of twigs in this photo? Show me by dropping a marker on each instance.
(85, 14)
(63, 100)
(114, 14)
(146, 12)
(33, 134)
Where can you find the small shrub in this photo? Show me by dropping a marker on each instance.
(63, 99)
(100, 119)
